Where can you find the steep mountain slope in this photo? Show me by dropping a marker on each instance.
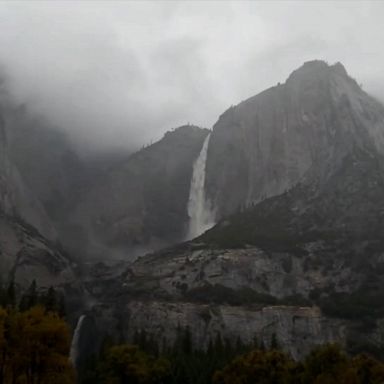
(268, 143)
(15, 197)
(296, 178)
(100, 206)
(46, 161)
(56, 173)
(141, 203)
(27, 249)
(303, 256)
(26, 256)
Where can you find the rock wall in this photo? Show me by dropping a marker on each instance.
(15, 197)
(270, 142)
(297, 329)
(28, 248)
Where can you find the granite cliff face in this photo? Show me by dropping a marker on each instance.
(52, 171)
(296, 174)
(26, 256)
(298, 329)
(28, 248)
(15, 196)
(270, 142)
(47, 163)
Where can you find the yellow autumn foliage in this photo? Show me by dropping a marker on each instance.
(34, 348)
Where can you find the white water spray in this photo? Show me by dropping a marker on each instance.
(74, 352)
(201, 215)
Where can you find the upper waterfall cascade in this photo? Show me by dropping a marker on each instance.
(200, 212)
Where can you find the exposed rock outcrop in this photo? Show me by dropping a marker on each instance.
(297, 329)
(26, 256)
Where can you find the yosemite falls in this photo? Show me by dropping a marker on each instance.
(201, 215)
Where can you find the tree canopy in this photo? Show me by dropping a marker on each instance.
(34, 347)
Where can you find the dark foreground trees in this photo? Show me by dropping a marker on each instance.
(226, 363)
(35, 342)
(327, 364)
(34, 347)
(127, 364)
(258, 367)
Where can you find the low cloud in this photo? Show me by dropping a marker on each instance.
(119, 74)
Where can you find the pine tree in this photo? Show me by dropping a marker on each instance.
(187, 341)
(30, 298)
(50, 300)
(274, 342)
(11, 295)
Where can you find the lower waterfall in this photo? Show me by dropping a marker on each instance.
(200, 212)
(74, 352)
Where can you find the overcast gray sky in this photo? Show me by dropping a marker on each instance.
(122, 73)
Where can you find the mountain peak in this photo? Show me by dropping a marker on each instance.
(317, 68)
(315, 64)
(185, 131)
(340, 69)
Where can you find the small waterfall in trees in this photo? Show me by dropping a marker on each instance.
(201, 215)
(74, 352)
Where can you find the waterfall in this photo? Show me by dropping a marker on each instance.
(201, 215)
(74, 352)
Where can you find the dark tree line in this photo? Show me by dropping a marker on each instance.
(34, 337)
(49, 299)
(150, 361)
